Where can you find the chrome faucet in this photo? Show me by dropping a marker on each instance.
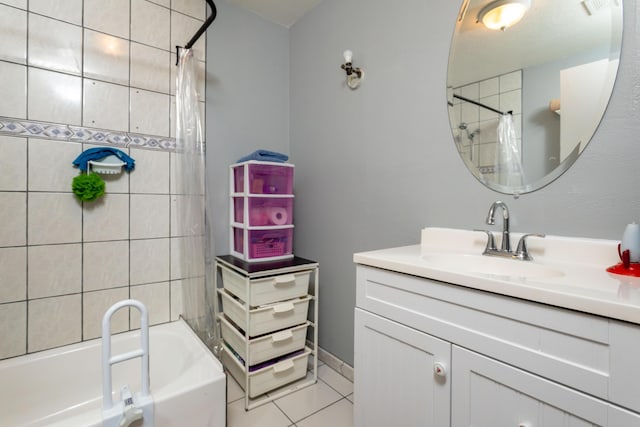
(521, 252)
(506, 241)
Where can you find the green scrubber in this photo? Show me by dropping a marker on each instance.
(88, 187)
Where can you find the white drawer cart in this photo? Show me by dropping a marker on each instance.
(267, 318)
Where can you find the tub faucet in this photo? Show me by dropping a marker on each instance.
(506, 243)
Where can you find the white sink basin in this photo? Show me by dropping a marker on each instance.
(492, 266)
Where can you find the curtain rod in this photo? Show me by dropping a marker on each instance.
(482, 105)
(200, 31)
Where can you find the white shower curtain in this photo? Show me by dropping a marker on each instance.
(192, 244)
(508, 155)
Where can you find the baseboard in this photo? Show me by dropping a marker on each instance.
(335, 363)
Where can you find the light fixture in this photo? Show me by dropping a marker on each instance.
(502, 14)
(354, 75)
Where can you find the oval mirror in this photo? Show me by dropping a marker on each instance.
(524, 100)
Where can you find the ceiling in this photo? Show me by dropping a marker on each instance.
(282, 12)
(550, 29)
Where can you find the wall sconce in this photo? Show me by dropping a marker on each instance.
(354, 75)
(502, 14)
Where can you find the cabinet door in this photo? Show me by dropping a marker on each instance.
(488, 393)
(401, 375)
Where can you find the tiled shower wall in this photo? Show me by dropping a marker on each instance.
(77, 74)
(504, 93)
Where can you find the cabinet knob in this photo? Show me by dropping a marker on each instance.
(439, 369)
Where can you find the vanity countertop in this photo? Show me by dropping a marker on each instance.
(584, 284)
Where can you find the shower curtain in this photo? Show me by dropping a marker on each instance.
(508, 156)
(193, 245)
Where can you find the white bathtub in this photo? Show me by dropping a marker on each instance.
(63, 386)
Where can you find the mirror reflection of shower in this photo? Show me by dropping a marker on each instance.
(465, 140)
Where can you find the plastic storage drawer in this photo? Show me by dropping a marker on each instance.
(263, 211)
(266, 318)
(265, 347)
(270, 377)
(262, 178)
(266, 290)
(269, 244)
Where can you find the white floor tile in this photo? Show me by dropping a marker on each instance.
(335, 380)
(310, 399)
(339, 414)
(263, 416)
(234, 391)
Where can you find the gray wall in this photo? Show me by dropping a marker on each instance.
(248, 101)
(375, 165)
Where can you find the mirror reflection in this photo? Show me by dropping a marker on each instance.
(526, 97)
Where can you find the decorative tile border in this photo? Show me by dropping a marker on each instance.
(33, 129)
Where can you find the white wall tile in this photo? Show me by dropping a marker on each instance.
(55, 45)
(13, 329)
(149, 112)
(13, 34)
(50, 167)
(176, 299)
(13, 163)
(150, 24)
(471, 91)
(155, 297)
(106, 105)
(13, 86)
(149, 261)
(106, 57)
(183, 28)
(107, 218)
(151, 174)
(54, 97)
(511, 81)
(150, 68)
(165, 3)
(54, 322)
(149, 216)
(490, 101)
(173, 119)
(105, 265)
(489, 87)
(13, 219)
(22, 4)
(193, 265)
(111, 17)
(54, 270)
(95, 304)
(13, 274)
(54, 218)
(511, 101)
(65, 10)
(193, 8)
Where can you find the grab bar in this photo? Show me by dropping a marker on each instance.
(108, 361)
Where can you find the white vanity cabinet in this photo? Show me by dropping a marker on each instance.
(429, 353)
(395, 375)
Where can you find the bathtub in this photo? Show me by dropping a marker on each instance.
(63, 386)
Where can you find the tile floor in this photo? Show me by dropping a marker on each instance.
(329, 402)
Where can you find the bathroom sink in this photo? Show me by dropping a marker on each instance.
(486, 265)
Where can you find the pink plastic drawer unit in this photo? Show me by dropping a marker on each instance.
(264, 211)
(263, 244)
(263, 178)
